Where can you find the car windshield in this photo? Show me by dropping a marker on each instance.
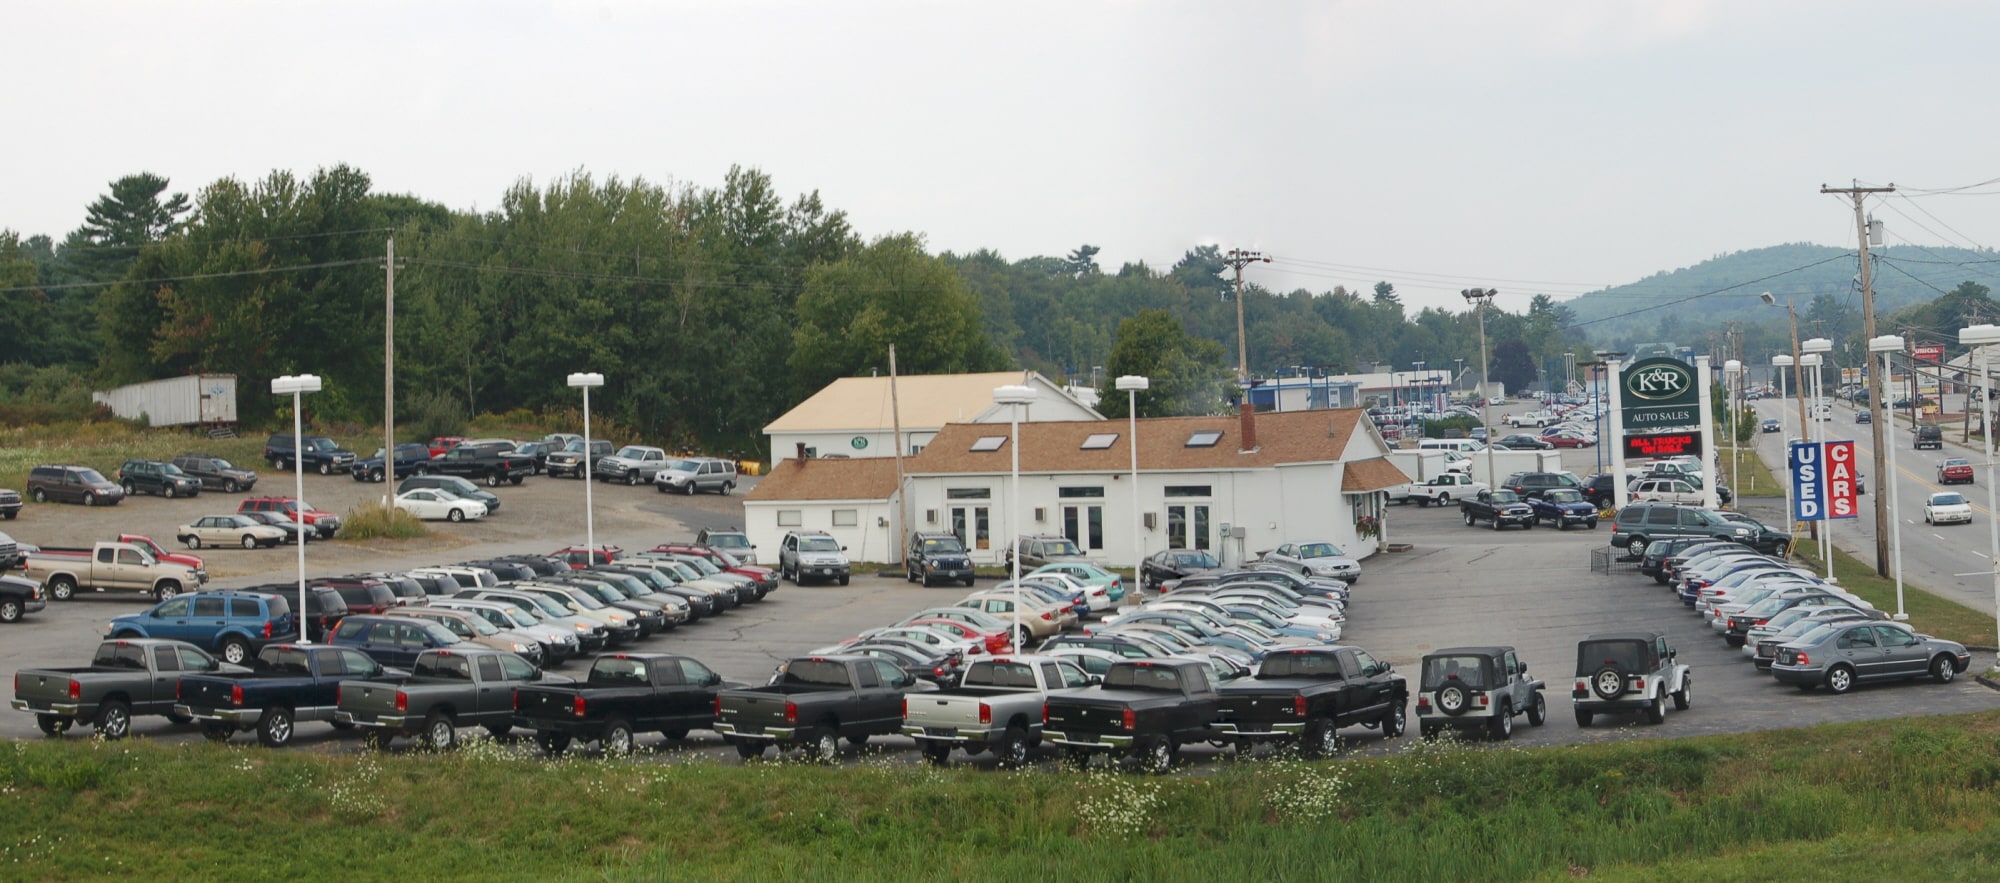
(942, 545)
(1061, 547)
(1956, 462)
(1563, 495)
(1196, 559)
(90, 476)
(1947, 500)
(575, 446)
(631, 453)
(1632, 656)
(1504, 497)
(1766, 607)
(1143, 677)
(682, 466)
(729, 540)
(548, 607)
(458, 485)
(480, 626)
(1460, 669)
(1321, 550)
(1818, 633)
(322, 444)
(219, 463)
(818, 544)
(700, 565)
(585, 599)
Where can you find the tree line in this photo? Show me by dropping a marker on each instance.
(710, 310)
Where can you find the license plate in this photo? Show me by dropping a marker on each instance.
(940, 731)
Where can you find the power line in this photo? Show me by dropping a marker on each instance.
(1723, 290)
(65, 247)
(262, 271)
(1332, 265)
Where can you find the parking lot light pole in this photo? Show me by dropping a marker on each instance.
(1014, 397)
(1479, 298)
(1779, 363)
(1732, 374)
(1886, 344)
(1132, 384)
(297, 385)
(1984, 337)
(585, 381)
(1816, 351)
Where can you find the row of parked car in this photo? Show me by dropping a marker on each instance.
(1789, 622)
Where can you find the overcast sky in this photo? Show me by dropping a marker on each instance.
(1533, 146)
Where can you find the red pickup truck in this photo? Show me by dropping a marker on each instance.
(181, 558)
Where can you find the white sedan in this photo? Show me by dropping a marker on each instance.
(229, 530)
(432, 504)
(1947, 508)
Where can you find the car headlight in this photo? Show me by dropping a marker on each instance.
(581, 627)
(520, 648)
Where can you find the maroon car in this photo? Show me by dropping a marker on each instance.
(765, 578)
(1954, 471)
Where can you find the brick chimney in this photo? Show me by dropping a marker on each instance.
(1247, 414)
(802, 450)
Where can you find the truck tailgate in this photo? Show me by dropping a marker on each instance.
(931, 710)
(545, 703)
(41, 687)
(754, 712)
(1085, 716)
(198, 691)
(1254, 707)
(368, 701)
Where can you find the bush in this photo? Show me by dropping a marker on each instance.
(370, 521)
(432, 414)
(1442, 428)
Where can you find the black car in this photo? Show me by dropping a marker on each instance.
(215, 473)
(1522, 443)
(1172, 564)
(1770, 425)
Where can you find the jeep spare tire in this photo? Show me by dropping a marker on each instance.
(1453, 699)
(1607, 682)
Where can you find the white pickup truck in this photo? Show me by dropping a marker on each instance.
(1441, 489)
(997, 705)
(109, 567)
(1537, 419)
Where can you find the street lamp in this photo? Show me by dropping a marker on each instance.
(1133, 384)
(1798, 369)
(1886, 344)
(1984, 337)
(1014, 397)
(1479, 298)
(1814, 359)
(1732, 374)
(1778, 364)
(585, 381)
(296, 385)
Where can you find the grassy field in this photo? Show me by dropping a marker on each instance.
(1864, 801)
(106, 446)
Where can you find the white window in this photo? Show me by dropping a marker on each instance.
(791, 518)
(846, 517)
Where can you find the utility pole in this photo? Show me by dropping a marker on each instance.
(896, 441)
(1237, 258)
(389, 369)
(1867, 231)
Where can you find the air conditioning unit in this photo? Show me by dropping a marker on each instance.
(930, 516)
(1041, 514)
(1237, 533)
(1151, 520)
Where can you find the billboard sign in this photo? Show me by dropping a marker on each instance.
(1931, 353)
(1808, 482)
(1660, 392)
(1840, 480)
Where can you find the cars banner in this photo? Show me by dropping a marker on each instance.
(1840, 484)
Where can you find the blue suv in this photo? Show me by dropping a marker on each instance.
(233, 624)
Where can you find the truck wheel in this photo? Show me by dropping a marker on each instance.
(166, 589)
(1538, 713)
(229, 486)
(937, 753)
(1583, 718)
(235, 650)
(825, 745)
(1013, 748)
(375, 475)
(1320, 739)
(41, 497)
(1157, 756)
(749, 750)
(492, 479)
(553, 744)
(843, 580)
(439, 733)
(62, 587)
(1657, 712)
(51, 725)
(325, 467)
(1468, 519)
(10, 611)
(1396, 721)
(617, 737)
(128, 489)
(275, 728)
(217, 732)
(1501, 726)
(169, 492)
(1684, 696)
(114, 720)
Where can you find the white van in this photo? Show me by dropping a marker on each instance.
(1461, 445)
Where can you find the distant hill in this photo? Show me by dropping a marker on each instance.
(1904, 275)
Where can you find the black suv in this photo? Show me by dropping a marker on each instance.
(72, 484)
(215, 473)
(1597, 489)
(1530, 485)
(1641, 523)
(157, 478)
(315, 451)
(1930, 436)
(937, 556)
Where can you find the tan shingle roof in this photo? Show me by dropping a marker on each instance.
(927, 401)
(1287, 437)
(868, 478)
(1371, 475)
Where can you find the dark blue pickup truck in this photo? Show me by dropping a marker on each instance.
(288, 684)
(411, 459)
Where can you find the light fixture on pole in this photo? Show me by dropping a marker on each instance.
(1886, 344)
(1015, 397)
(1133, 384)
(585, 382)
(1815, 358)
(296, 385)
(1778, 364)
(1479, 298)
(1732, 376)
(1984, 337)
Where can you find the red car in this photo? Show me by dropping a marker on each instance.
(181, 558)
(326, 523)
(765, 578)
(1568, 440)
(1955, 471)
(444, 443)
(578, 558)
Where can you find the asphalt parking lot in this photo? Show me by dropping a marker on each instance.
(1456, 586)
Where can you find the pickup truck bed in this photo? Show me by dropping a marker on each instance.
(446, 689)
(998, 707)
(817, 702)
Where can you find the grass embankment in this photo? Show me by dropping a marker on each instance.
(1756, 479)
(106, 446)
(1858, 801)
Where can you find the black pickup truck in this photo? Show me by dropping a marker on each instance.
(1146, 708)
(288, 684)
(1306, 695)
(126, 678)
(493, 462)
(814, 703)
(1500, 508)
(625, 694)
(445, 690)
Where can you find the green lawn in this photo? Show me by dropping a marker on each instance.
(1864, 801)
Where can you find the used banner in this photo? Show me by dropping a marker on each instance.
(1808, 482)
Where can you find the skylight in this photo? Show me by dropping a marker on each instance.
(989, 443)
(1099, 441)
(1205, 438)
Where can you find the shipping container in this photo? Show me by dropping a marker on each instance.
(196, 399)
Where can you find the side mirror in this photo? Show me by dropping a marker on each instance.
(843, 548)
(1524, 668)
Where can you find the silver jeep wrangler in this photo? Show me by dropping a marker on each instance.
(1477, 688)
(1629, 671)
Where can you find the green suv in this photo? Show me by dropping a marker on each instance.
(1641, 523)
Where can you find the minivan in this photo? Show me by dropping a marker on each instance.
(72, 484)
(691, 474)
(391, 640)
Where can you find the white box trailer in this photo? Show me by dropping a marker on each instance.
(1507, 462)
(193, 400)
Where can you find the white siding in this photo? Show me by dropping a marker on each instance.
(175, 401)
(870, 539)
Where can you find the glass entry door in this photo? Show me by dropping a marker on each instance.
(1188, 526)
(1084, 525)
(971, 525)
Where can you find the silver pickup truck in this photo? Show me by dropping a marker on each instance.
(998, 706)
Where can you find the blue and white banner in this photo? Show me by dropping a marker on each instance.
(1808, 465)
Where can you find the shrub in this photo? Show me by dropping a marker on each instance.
(432, 414)
(370, 521)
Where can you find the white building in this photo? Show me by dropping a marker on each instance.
(852, 499)
(853, 416)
